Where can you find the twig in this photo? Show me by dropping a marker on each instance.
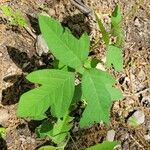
(83, 8)
(30, 32)
(137, 142)
(74, 142)
(138, 93)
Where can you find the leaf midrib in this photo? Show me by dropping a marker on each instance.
(64, 43)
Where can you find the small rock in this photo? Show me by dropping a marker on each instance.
(4, 116)
(110, 135)
(104, 59)
(146, 101)
(100, 67)
(137, 23)
(137, 118)
(147, 137)
(1, 54)
(41, 45)
(141, 75)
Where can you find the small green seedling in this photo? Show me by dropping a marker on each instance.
(132, 121)
(57, 91)
(49, 148)
(106, 145)
(114, 50)
(2, 132)
(14, 17)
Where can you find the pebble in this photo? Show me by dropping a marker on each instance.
(1, 54)
(110, 135)
(100, 67)
(41, 46)
(137, 23)
(4, 116)
(138, 117)
(147, 137)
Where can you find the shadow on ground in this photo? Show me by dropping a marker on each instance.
(20, 85)
(78, 24)
(3, 145)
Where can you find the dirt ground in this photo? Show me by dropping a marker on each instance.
(18, 57)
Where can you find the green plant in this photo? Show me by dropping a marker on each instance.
(106, 145)
(2, 132)
(14, 17)
(56, 91)
(114, 50)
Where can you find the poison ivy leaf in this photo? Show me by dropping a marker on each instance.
(114, 57)
(116, 28)
(106, 145)
(64, 46)
(115, 94)
(91, 63)
(57, 132)
(98, 95)
(105, 34)
(94, 62)
(61, 129)
(48, 148)
(119, 34)
(77, 94)
(116, 17)
(35, 102)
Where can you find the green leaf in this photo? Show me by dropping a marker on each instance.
(106, 145)
(2, 132)
(114, 93)
(48, 148)
(116, 17)
(94, 62)
(114, 57)
(61, 129)
(119, 34)
(98, 95)
(132, 121)
(19, 19)
(116, 28)
(35, 102)
(105, 34)
(7, 11)
(57, 132)
(64, 46)
(15, 17)
(91, 63)
(77, 94)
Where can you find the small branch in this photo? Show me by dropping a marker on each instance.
(138, 93)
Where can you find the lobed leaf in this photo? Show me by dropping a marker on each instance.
(105, 34)
(57, 132)
(97, 90)
(116, 17)
(35, 102)
(106, 145)
(48, 148)
(114, 57)
(116, 28)
(64, 46)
